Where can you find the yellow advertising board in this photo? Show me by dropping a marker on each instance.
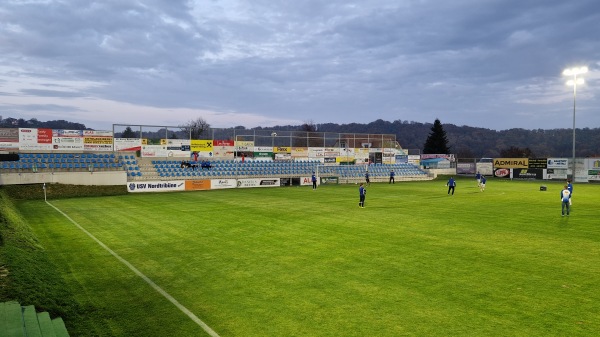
(201, 145)
(511, 162)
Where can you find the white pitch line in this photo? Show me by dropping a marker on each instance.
(183, 309)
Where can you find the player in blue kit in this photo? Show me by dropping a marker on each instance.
(362, 192)
(451, 185)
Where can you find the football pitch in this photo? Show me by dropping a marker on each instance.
(291, 261)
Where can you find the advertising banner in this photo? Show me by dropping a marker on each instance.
(9, 139)
(263, 149)
(519, 173)
(502, 173)
(329, 180)
(156, 186)
(222, 183)
(307, 181)
(224, 152)
(128, 144)
(316, 152)
(154, 151)
(35, 139)
(97, 143)
(300, 153)
(197, 185)
(556, 174)
(465, 168)
(511, 163)
(264, 182)
(593, 163)
(202, 145)
(282, 149)
(97, 133)
(246, 146)
(263, 154)
(67, 133)
(557, 163)
(69, 143)
(222, 142)
(331, 152)
(538, 163)
(594, 175)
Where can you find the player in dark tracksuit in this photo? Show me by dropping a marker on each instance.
(362, 192)
(314, 181)
(451, 185)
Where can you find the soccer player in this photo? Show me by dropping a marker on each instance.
(482, 183)
(392, 174)
(478, 177)
(451, 184)
(362, 192)
(367, 178)
(570, 187)
(314, 181)
(565, 196)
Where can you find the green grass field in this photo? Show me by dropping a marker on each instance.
(295, 262)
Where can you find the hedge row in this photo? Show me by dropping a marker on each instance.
(61, 191)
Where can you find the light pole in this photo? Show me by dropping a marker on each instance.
(273, 135)
(574, 82)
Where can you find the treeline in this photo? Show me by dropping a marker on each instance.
(464, 141)
(34, 123)
(472, 142)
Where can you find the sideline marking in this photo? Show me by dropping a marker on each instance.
(191, 315)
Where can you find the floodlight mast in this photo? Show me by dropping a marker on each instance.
(574, 82)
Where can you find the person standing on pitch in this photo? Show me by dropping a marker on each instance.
(362, 192)
(451, 184)
(367, 178)
(478, 177)
(570, 187)
(314, 181)
(565, 196)
(482, 181)
(392, 174)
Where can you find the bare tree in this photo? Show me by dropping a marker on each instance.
(196, 128)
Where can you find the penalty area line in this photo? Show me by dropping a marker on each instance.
(166, 295)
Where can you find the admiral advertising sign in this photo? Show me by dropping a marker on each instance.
(511, 162)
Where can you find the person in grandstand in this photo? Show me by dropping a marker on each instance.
(482, 181)
(451, 185)
(314, 181)
(478, 177)
(570, 187)
(392, 175)
(565, 196)
(367, 178)
(362, 193)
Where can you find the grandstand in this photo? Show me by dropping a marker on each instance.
(99, 158)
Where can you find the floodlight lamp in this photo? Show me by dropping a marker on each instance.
(579, 81)
(567, 72)
(274, 134)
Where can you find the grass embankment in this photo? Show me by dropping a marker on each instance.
(296, 262)
(27, 274)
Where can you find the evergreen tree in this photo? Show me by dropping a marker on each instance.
(129, 133)
(436, 142)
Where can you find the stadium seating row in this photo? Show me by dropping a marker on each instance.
(231, 168)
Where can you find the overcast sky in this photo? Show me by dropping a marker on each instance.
(483, 63)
